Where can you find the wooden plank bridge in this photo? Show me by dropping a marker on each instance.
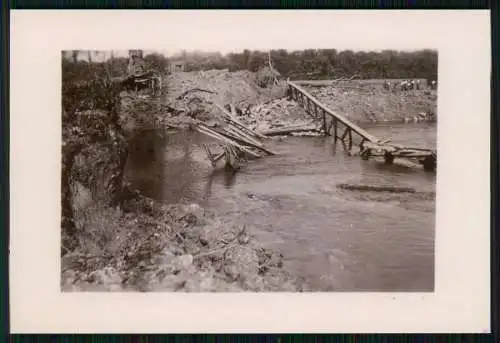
(345, 131)
(238, 141)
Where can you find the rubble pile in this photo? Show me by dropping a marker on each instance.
(195, 93)
(271, 116)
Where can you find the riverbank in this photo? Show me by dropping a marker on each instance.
(115, 239)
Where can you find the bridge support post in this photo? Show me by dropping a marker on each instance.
(308, 107)
(329, 128)
(289, 93)
(335, 129)
(344, 134)
(327, 133)
(347, 133)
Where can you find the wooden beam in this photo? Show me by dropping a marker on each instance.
(350, 139)
(335, 128)
(240, 140)
(224, 139)
(324, 124)
(209, 154)
(231, 118)
(329, 128)
(237, 131)
(345, 133)
(289, 129)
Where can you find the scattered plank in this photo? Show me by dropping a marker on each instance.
(232, 119)
(216, 135)
(245, 135)
(194, 90)
(290, 129)
(243, 141)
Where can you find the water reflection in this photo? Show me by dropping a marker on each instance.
(144, 163)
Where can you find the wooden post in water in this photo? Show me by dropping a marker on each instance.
(344, 134)
(329, 128)
(350, 139)
(324, 124)
(335, 129)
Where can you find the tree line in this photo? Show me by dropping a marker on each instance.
(312, 64)
(323, 63)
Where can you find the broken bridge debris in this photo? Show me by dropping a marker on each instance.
(236, 141)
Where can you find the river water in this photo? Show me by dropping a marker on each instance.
(338, 240)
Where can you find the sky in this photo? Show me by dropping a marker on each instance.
(169, 32)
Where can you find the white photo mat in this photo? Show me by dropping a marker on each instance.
(461, 301)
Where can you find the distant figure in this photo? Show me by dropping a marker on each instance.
(404, 85)
(387, 85)
(418, 84)
(412, 84)
(433, 84)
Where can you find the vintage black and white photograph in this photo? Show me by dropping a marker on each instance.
(249, 171)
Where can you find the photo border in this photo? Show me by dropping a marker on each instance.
(283, 304)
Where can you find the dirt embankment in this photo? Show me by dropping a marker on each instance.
(371, 103)
(115, 239)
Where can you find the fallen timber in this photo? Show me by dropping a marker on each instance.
(369, 145)
(236, 140)
(289, 130)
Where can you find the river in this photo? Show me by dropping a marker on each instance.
(338, 240)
